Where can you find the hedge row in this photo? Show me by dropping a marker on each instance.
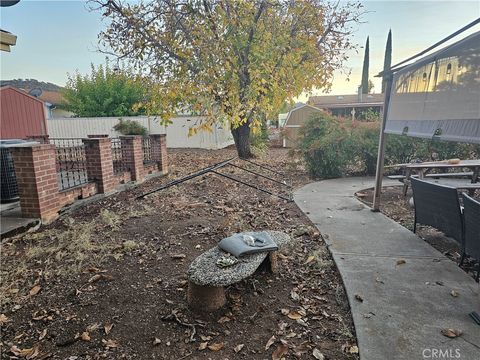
(334, 147)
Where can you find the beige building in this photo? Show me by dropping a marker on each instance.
(349, 106)
(296, 118)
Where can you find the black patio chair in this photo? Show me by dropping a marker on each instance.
(471, 215)
(438, 206)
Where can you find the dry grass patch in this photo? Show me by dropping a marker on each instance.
(35, 257)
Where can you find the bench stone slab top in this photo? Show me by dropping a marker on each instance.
(204, 270)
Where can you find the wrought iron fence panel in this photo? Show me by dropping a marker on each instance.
(148, 157)
(118, 157)
(71, 162)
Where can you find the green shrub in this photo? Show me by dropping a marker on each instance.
(327, 146)
(130, 127)
(334, 147)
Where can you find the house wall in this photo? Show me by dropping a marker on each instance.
(177, 132)
(21, 115)
(61, 113)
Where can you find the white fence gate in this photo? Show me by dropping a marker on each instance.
(177, 132)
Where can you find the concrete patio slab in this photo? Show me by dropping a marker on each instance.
(405, 306)
(11, 219)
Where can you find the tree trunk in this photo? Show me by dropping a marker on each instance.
(241, 136)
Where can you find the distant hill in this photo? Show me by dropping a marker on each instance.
(31, 84)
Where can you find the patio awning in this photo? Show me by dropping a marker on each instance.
(439, 94)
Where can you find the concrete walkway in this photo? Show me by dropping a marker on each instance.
(405, 306)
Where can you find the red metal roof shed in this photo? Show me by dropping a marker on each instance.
(21, 115)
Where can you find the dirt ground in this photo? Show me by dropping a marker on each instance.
(108, 280)
(396, 206)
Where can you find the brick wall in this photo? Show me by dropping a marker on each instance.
(159, 150)
(37, 180)
(37, 177)
(98, 152)
(133, 156)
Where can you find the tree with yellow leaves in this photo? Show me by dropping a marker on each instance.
(232, 61)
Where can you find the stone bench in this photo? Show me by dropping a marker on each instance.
(206, 280)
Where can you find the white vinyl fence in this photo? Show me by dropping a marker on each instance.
(177, 132)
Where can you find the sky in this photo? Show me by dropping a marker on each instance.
(60, 37)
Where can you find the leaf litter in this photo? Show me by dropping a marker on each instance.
(107, 280)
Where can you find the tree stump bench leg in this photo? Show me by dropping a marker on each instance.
(273, 259)
(205, 298)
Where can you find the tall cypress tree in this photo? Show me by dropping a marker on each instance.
(366, 60)
(387, 62)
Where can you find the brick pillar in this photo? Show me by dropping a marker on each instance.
(37, 180)
(98, 153)
(42, 139)
(159, 149)
(133, 155)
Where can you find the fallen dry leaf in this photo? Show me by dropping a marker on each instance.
(317, 354)
(310, 259)
(156, 341)
(42, 334)
(238, 348)
(205, 338)
(353, 349)
(39, 315)
(294, 315)
(203, 346)
(92, 269)
(4, 319)
(451, 333)
(358, 298)
(281, 350)
(29, 353)
(98, 277)
(110, 343)
(108, 328)
(401, 262)
(270, 342)
(294, 295)
(282, 325)
(216, 346)
(224, 319)
(95, 278)
(35, 290)
(85, 336)
(93, 327)
(299, 350)
(285, 311)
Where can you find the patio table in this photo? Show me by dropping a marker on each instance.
(421, 169)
